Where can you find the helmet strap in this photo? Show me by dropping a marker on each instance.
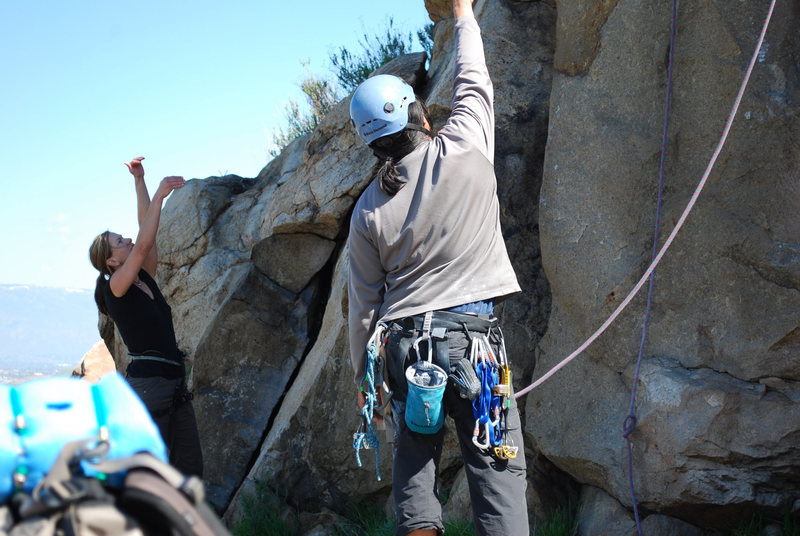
(412, 126)
(382, 156)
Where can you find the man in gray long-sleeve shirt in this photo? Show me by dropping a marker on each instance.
(425, 237)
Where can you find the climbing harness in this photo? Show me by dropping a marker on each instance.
(678, 224)
(181, 394)
(366, 437)
(157, 359)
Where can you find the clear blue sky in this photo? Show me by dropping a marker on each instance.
(197, 87)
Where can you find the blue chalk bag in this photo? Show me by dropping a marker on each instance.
(426, 384)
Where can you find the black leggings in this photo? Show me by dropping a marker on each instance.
(175, 419)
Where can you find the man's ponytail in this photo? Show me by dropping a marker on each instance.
(390, 149)
(389, 179)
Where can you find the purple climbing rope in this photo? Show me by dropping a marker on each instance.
(630, 421)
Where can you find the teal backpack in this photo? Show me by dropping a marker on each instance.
(87, 460)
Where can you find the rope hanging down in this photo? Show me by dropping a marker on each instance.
(629, 425)
(678, 225)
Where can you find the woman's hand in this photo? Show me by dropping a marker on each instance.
(136, 168)
(463, 8)
(167, 185)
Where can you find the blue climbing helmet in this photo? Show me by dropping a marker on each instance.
(379, 106)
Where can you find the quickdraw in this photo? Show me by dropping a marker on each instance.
(505, 388)
(366, 437)
(490, 408)
(486, 408)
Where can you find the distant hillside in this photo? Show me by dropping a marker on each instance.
(44, 328)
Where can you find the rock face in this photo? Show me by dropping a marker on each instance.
(255, 271)
(719, 424)
(95, 363)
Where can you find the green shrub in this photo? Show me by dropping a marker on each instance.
(320, 96)
(376, 51)
(350, 69)
(459, 528)
(425, 38)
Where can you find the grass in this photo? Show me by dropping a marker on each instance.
(370, 520)
(262, 515)
(459, 528)
(365, 520)
(562, 522)
(755, 527)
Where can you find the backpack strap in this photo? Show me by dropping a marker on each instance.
(153, 495)
(58, 488)
(149, 498)
(192, 486)
(97, 518)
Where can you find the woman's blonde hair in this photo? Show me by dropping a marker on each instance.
(99, 253)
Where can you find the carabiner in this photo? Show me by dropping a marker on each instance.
(424, 337)
(487, 348)
(476, 434)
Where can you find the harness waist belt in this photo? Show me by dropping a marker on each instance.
(155, 358)
(451, 321)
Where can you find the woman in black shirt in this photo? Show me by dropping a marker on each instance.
(126, 291)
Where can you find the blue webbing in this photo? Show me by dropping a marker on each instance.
(487, 403)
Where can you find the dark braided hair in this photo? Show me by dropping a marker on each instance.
(389, 149)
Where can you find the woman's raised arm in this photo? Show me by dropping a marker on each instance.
(142, 204)
(124, 275)
(462, 8)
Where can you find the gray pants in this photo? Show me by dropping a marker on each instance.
(496, 487)
(175, 421)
